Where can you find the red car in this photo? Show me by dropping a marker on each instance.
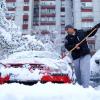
(30, 66)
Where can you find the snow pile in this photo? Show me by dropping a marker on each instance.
(29, 42)
(48, 91)
(34, 54)
(51, 40)
(21, 74)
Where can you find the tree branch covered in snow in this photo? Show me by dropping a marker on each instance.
(11, 38)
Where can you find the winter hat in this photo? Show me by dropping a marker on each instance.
(68, 26)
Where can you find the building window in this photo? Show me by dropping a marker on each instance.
(63, 20)
(62, 9)
(26, 8)
(10, 1)
(86, 0)
(47, 3)
(25, 22)
(86, 5)
(11, 4)
(87, 15)
(86, 25)
(62, 3)
(26, 2)
(86, 10)
(10, 16)
(25, 26)
(25, 17)
(87, 19)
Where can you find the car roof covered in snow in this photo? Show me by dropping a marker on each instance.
(33, 57)
(34, 54)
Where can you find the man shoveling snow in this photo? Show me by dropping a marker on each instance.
(81, 53)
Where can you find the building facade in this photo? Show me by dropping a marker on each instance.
(21, 12)
(40, 14)
(33, 15)
(51, 14)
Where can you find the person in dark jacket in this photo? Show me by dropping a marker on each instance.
(81, 55)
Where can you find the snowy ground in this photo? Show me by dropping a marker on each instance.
(48, 91)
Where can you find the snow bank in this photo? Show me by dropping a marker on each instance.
(47, 91)
(21, 74)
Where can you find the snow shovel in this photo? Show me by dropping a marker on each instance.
(80, 43)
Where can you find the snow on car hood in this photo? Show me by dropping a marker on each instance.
(63, 66)
(38, 57)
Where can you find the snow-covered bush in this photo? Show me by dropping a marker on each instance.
(29, 42)
(11, 38)
(51, 40)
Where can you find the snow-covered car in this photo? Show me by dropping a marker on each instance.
(44, 66)
(95, 66)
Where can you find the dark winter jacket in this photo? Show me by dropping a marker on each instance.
(71, 41)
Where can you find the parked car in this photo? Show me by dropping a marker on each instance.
(95, 67)
(34, 66)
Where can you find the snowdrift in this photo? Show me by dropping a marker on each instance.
(48, 91)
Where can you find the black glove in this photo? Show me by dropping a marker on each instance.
(97, 26)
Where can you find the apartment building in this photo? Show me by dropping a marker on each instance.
(21, 11)
(52, 14)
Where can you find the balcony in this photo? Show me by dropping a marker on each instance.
(87, 20)
(26, 0)
(10, 0)
(25, 26)
(25, 16)
(86, 0)
(11, 9)
(46, 0)
(44, 23)
(47, 6)
(86, 10)
(48, 15)
(26, 8)
(48, 23)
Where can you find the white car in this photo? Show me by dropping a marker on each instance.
(95, 66)
(41, 66)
